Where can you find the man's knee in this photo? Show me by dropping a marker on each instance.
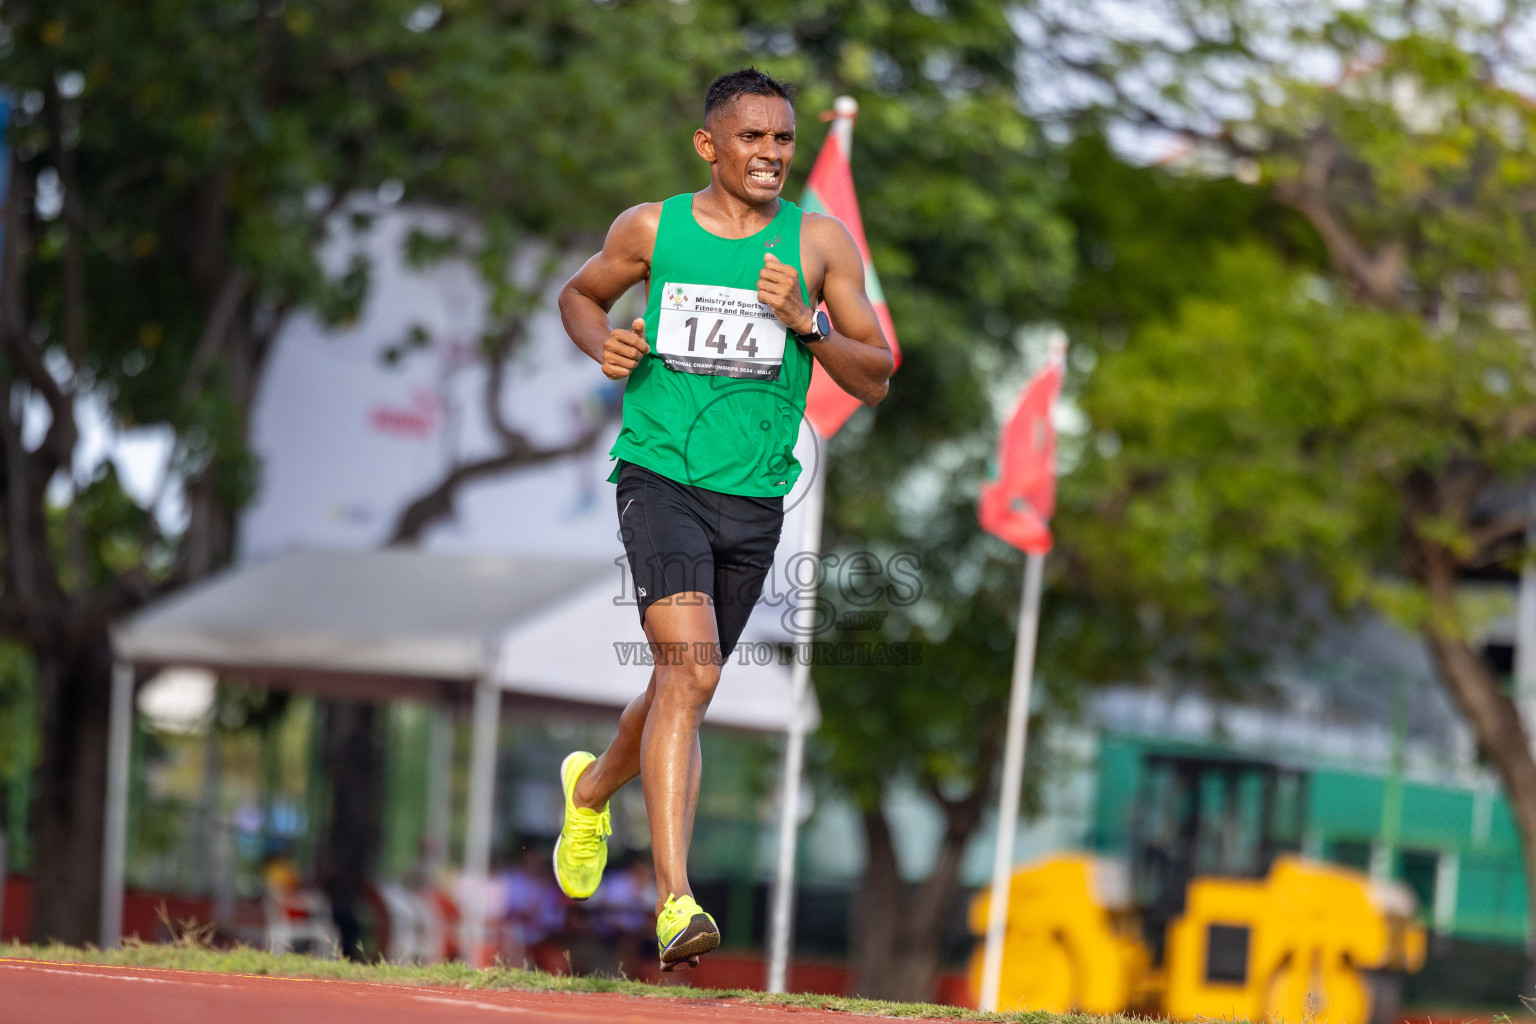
(693, 681)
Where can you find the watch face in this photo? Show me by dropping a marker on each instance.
(823, 323)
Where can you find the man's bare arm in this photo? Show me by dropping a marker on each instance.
(855, 354)
(625, 261)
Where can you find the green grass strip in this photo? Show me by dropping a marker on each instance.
(191, 956)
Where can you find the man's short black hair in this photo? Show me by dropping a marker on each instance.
(724, 90)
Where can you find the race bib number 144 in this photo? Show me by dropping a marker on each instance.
(724, 332)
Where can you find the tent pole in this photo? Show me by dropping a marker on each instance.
(779, 922)
(1013, 781)
(439, 786)
(115, 831)
(477, 833)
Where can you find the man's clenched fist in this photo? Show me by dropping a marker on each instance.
(623, 350)
(778, 288)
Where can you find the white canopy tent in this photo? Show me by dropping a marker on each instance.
(376, 625)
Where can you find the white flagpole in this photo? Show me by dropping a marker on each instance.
(1013, 781)
(780, 915)
(115, 832)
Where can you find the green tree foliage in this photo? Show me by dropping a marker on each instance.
(1361, 421)
(1149, 239)
(1263, 424)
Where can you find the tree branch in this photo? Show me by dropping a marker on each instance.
(507, 342)
(61, 435)
(1377, 275)
(79, 559)
(1519, 423)
(73, 215)
(438, 502)
(236, 283)
(518, 449)
(1500, 528)
(18, 546)
(210, 207)
(1459, 492)
(496, 378)
(59, 442)
(1495, 717)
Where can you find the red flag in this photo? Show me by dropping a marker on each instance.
(1017, 506)
(830, 190)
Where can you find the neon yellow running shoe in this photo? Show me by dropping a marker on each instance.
(683, 931)
(581, 852)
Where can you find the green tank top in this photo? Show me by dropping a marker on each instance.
(718, 401)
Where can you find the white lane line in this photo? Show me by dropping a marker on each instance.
(543, 1013)
(201, 980)
(93, 974)
(472, 1003)
(369, 990)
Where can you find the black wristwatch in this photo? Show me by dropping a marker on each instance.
(820, 332)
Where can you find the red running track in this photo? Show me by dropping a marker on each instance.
(37, 992)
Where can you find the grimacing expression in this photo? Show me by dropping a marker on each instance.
(754, 143)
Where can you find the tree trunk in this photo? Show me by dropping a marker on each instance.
(1494, 717)
(897, 931)
(75, 684)
(876, 910)
(348, 861)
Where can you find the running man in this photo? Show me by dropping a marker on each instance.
(717, 374)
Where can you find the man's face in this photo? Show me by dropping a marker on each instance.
(751, 143)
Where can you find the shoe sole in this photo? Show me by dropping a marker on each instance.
(554, 859)
(701, 936)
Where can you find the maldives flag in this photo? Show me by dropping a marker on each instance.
(830, 191)
(1017, 506)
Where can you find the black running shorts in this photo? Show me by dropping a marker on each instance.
(684, 538)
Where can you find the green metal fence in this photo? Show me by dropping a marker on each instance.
(1453, 844)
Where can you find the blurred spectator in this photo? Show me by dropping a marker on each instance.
(296, 917)
(279, 873)
(440, 895)
(624, 915)
(535, 910)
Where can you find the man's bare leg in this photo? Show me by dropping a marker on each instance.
(620, 763)
(658, 735)
(670, 761)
